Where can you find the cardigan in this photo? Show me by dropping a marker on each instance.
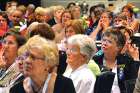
(127, 69)
(62, 85)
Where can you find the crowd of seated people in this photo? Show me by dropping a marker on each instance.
(54, 50)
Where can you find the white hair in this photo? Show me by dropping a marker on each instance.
(32, 6)
(86, 44)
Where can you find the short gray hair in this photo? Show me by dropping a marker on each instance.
(86, 44)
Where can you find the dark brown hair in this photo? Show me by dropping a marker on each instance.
(44, 30)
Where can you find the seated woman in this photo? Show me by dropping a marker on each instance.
(133, 23)
(8, 67)
(110, 59)
(80, 49)
(59, 28)
(105, 22)
(72, 27)
(40, 68)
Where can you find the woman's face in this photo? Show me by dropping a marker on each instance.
(58, 14)
(39, 17)
(119, 22)
(126, 12)
(76, 13)
(66, 17)
(105, 19)
(109, 45)
(16, 17)
(73, 55)
(10, 47)
(70, 31)
(3, 24)
(35, 63)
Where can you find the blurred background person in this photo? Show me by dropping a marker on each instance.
(94, 16)
(4, 21)
(29, 15)
(40, 14)
(133, 22)
(59, 28)
(105, 21)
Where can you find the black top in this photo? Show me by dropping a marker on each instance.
(62, 62)
(62, 85)
(51, 22)
(127, 69)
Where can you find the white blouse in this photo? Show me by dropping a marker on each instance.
(115, 86)
(83, 79)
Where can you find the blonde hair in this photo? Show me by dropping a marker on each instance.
(40, 10)
(48, 48)
(22, 8)
(58, 7)
(49, 11)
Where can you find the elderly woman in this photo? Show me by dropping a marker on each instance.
(8, 67)
(72, 27)
(40, 68)
(80, 48)
(110, 59)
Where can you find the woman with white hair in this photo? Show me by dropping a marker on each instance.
(80, 49)
(39, 67)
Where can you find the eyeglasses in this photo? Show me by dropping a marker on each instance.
(106, 41)
(16, 16)
(118, 20)
(72, 50)
(8, 42)
(103, 17)
(33, 58)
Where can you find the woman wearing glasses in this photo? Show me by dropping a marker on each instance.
(124, 68)
(39, 67)
(9, 72)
